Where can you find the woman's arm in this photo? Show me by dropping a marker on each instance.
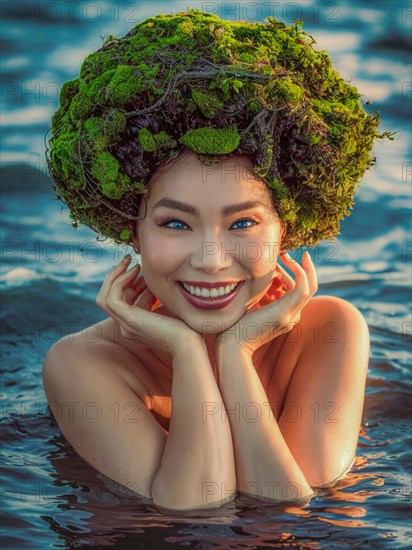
(197, 468)
(265, 467)
(105, 415)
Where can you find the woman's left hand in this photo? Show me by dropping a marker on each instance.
(278, 317)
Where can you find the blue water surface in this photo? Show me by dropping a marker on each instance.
(51, 274)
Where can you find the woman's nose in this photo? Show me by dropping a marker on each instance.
(214, 255)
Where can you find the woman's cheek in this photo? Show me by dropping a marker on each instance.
(161, 255)
(260, 255)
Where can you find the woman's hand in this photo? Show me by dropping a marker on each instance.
(117, 297)
(259, 326)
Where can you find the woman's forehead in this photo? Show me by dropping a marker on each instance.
(237, 168)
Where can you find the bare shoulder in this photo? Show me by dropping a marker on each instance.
(323, 321)
(326, 315)
(99, 347)
(101, 397)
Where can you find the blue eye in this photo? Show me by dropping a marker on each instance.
(166, 223)
(246, 220)
(172, 220)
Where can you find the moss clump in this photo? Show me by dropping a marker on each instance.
(153, 142)
(208, 104)
(191, 80)
(106, 170)
(211, 141)
(94, 127)
(115, 189)
(98, 87)
(100, 131)
(80, 107)
(285, 89)
(147, 140)
(69, 89)
(125, 82)
(164, 141)
(125, 235)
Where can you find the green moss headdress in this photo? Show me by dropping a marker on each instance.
(193, 81)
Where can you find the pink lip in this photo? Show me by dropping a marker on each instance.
(210, 303)
(209, 285)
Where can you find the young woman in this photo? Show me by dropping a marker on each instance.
(216, 372)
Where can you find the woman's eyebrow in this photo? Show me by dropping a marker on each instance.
(189, 209)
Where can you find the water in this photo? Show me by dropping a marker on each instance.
(51, 275)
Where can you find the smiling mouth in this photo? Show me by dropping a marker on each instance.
(208, 293)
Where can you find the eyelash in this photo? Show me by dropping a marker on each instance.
(171, 219)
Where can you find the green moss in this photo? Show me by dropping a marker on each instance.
(66, 157)
(124, 84)
(97, 63)
(115, 123)
(140, 187)
(187, 27)
(97, 89)
(101, 131)
(80, 107)
(288, 210)
(314, 138)
(146, 140)
(105, 169)
(274, 98)
(308, 218)
(153, 142)
(285, 89)
(125, 235)
(111, 190)
(255, 106)
(279, 188)
(211, 141)
(164, 141)
(69, 89)
(208, 104)
(94, 127)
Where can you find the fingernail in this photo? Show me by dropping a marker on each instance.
(127, 258)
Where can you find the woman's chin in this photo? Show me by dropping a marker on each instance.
(207, 327)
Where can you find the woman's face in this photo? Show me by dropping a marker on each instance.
(198, 230)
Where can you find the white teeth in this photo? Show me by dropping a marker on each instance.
(210, 293)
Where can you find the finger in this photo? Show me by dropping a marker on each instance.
(106, 292)
(123, 283)
(293, 265)
(285, 278)
(111, 275)
(310, 272)
(301, 290)
(118, 268)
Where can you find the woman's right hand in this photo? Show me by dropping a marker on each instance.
(117, 297)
